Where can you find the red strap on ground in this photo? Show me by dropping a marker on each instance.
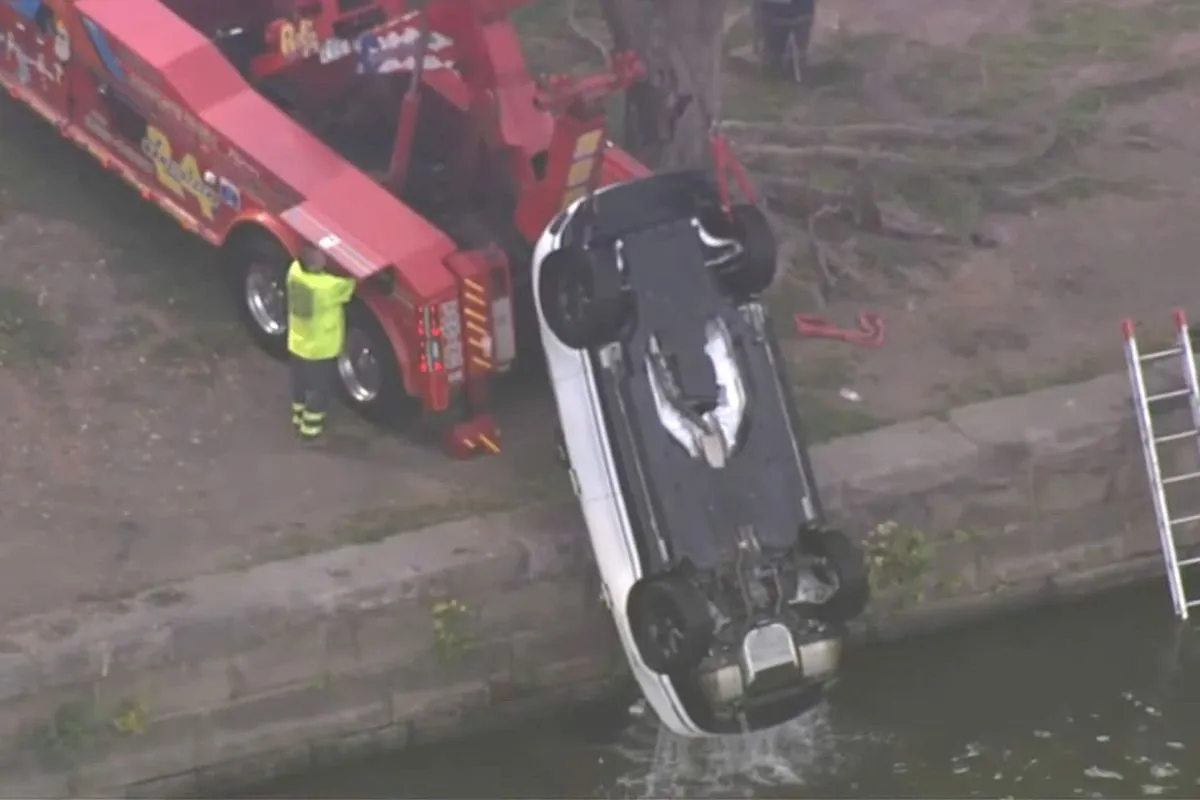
(869, 332)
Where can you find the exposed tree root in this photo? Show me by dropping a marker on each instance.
(1007, 162)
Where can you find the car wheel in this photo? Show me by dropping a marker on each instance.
(842, 563)
(671, 623)
(581, 297)
(752, 272)
(260, 284)
(368, 371)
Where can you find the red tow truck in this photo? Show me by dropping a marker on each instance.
(411, 144)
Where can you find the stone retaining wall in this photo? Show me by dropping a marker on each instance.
(430, 634)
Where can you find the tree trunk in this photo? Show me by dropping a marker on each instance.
(668, 116)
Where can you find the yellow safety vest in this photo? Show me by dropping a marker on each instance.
(316, 318)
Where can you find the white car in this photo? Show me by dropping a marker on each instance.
(677, 424)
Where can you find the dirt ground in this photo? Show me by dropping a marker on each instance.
(1002, 181)
(146, 439)
(1036, 165)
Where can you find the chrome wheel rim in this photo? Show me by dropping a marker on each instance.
(266, 299)
(358, 367)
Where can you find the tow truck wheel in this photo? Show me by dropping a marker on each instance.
(670, 622)
(843, 564)
(582, 299)
(261, 265)
(752, 272)
(369, 373)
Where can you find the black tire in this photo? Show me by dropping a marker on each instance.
(582, 299)
(255, 258)
(373, 388)
(671, 623)
(753, 272)
(845, 565)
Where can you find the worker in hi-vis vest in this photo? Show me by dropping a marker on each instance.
(316, 333)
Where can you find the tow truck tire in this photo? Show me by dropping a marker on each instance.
(368, 372)
(260, 265)
(670, 622)
(582, 299)
(844, 564)
(753, 272)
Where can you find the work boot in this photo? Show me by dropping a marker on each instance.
(312, 425)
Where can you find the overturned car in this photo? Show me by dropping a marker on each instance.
(676, 422)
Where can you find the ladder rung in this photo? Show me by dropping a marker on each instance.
(1187, 562)
(1192, 603)
(1187, 476)
(1174, 437)
(1154, 398)
(1174, 351)
(1185, 520)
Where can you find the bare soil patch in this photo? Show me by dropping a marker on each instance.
(146, 439)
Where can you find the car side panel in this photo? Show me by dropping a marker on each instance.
(602, 503)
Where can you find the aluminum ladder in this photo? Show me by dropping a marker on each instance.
(1151, 442)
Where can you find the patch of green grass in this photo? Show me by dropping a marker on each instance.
(994, 383)
(835, 76)
(377, 523)
(996, 72)
(899, 558)
(826, 419)
(29, 334)
(79, 728)
(452, 634)
(550, 45)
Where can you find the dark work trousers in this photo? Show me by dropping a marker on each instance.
(786, 28)
(312, 384)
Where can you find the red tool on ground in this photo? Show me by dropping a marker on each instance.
(869, 333)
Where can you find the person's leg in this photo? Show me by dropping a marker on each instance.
(297, 375)
(774, 48)
(799, 40)
(316, 402)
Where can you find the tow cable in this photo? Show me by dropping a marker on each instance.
(869, 333)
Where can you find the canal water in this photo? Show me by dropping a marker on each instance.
(1095, 699)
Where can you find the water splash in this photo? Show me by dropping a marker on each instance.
(665, 765)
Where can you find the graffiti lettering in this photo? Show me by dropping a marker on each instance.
(182, 177)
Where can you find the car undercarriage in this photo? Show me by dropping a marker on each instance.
(744, 592)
